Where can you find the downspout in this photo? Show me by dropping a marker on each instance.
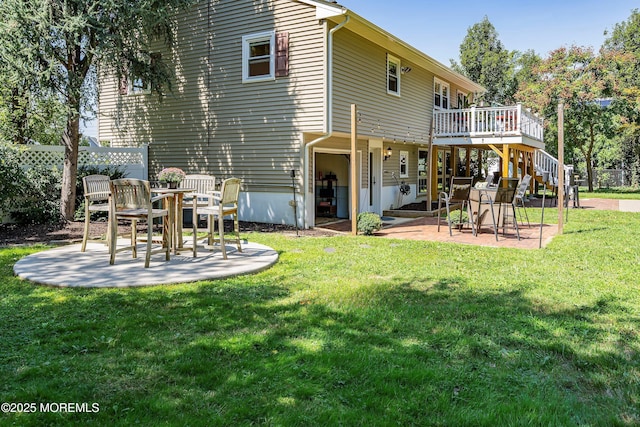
(329, 114)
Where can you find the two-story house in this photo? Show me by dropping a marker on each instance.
(264, 87)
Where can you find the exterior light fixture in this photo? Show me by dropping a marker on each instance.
(388, 153)
(405, 70)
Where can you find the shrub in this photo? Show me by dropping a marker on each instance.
(32, 195)
(39, 202)
(456, 217)
(368, 222)
(11, 176)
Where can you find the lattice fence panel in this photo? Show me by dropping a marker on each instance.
(132, 160)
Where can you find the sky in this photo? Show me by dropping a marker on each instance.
(437, 28)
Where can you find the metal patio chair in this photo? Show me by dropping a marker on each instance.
(504, 195)
(520, 198)
(458, 194)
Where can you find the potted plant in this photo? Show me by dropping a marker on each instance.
(171, 176)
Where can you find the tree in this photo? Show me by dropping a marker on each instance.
(578, 78)
(55, 44)
(27, 114)
(622, 47)
(484, 60)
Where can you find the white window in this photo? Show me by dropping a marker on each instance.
(138, 86)
(393, 75)
(258, 57)
(423, 169)
(463, 100)
(137, 82)
(404, 164)
(440, 94)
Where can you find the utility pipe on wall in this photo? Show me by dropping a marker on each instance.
(329, 115)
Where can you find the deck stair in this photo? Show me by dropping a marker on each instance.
(546, 166)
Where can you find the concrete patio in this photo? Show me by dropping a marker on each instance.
(66, 266)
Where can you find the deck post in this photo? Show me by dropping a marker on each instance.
(505, 160)
(354, 176)
(560, 167)
(473, 120)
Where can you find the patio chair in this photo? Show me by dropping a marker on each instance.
(96, 199)
(504, 195)
(203, 188)
(573, 192)
(520, 198)
(131, 201)
(458, 194)
(226, 204)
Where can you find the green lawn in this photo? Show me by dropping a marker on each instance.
(610, 193)
(346, 331)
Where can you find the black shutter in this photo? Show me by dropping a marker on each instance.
(123, 85)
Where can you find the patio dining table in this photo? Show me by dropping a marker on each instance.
(174, 203)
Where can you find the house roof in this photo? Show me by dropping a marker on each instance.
(359, 25)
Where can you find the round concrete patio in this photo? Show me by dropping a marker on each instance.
(66, 266)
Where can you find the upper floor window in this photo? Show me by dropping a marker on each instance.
(139, 86)
(463, 100)
(258, 57)
(138, 81)
(440, 94)
(393, 75)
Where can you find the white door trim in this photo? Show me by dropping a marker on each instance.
(375, 176)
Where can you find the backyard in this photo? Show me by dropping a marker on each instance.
(346, 331)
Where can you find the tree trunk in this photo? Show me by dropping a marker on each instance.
(70, 141)
(587, 156)
(587, 159)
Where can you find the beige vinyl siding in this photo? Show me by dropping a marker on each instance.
(174, 125)
(257, 127)
(213, 122)
(360, 77)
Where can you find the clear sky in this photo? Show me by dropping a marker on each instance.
(438, 27)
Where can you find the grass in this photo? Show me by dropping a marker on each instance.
(611, 193)
(346, 331)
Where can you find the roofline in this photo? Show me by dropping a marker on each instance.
(325, 9)
(335, 12)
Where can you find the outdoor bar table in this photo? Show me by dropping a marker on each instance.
(175, 204)
(482, 212)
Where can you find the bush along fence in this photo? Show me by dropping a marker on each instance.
(30, 177)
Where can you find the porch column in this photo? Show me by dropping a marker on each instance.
(454, 160)
(468, 160)
(353, 171)
(433, 173)
(506, 151)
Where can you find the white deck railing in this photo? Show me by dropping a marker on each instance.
(545, 163)
(488, 121)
